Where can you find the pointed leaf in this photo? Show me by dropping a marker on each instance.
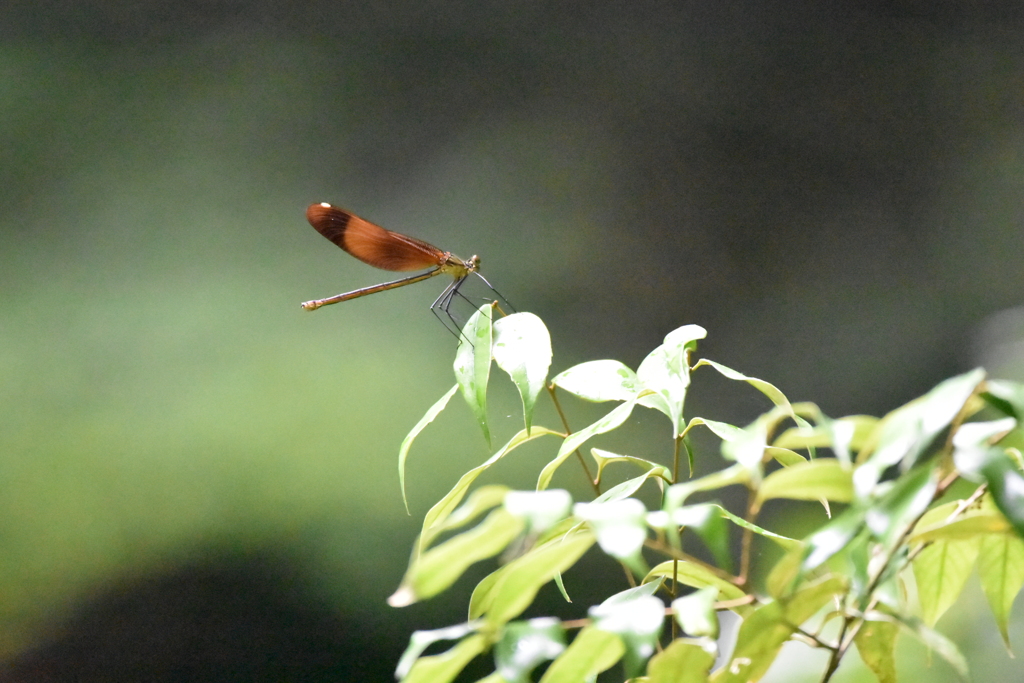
(931, 638)
(1007, 486)
(941, 570)
(591, 652)
(403, 452)
(436, 516)
(599, 381)
(876, 641)
(523, 577)
(446, 666)
(1001, 569)
(766, 388)
(421, 640)
(607, 423)
(522, 348)
(698, 576)
(473, 365)
(666, 372)
(438, 568)
(811, 480)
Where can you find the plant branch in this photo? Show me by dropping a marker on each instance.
(579, 456)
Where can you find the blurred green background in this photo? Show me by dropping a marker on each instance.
(833, 190)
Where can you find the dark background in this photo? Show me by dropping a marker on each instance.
(198, 477)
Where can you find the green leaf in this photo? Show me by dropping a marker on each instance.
(941, 570)
(1007, 486)
(522, 348)
(607, 423)
(637, 619)
(403, 452)
(905, 435)
(967, 526)
(520, 579)
(438, 568)
(446, 666)
(698, 576)
(784, 541)
(473, 365)
(766, 388)
(526, 644)
(677, 494)
(540, 510)
(599, 381)
(591, 652)
(706, 519)
(832, 537)
(421, 640)
(910, 495)
(436, 516)
(972, 445)
(1001, 569)
(696, 612)
(931, 638)
(605, 458)
(766, 630)
(844, 435)
(666, 372)
(811, 480)
(682, 662)
(876, 643)
(620, 526)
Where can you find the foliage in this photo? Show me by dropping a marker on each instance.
(844, 584)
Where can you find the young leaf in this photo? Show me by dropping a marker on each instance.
(682, 662)
(438, 568)
(522, 348)
(666, 372)
(607, 423)
(591, 652)
(941, 570)
(811, 480)
(637, 619)
(473, 365)
(599, 381)
(876, 643)
(696, 612)
(403, 452)
(526, 644)
(1001, 569)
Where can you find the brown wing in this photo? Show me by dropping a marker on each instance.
(371, 243)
